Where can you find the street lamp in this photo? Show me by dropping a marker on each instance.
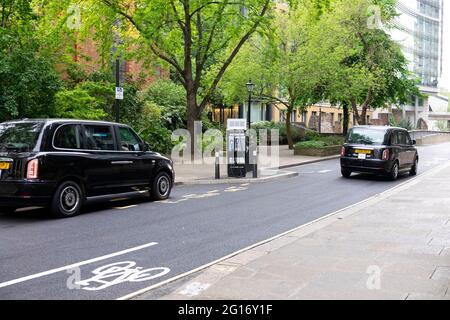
(250, 87)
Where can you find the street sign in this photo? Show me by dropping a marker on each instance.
(119, 93)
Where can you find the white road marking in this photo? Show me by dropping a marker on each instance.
(126, 207)
(325, 171)
(75, 265)
(117, 273)
(235, 189)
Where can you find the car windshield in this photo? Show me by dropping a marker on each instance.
(366, 136)
(19, 137)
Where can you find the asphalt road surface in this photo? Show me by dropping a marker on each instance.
(116, 248)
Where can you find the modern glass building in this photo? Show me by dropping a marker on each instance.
(419, 30)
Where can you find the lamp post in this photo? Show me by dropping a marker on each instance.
(250, 87)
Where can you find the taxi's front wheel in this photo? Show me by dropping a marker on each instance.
(161, 187)
(67, 200)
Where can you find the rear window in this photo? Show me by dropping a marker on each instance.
(68, 137)
(366, 136)
(19, 137)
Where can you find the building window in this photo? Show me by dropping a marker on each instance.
(294, 116)
(304, 113)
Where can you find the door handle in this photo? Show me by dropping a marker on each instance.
(121, 162)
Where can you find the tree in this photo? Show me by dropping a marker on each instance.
(28, 80)
(198, 39)
(365, 67)
(281, 64)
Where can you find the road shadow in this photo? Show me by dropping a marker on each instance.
(381, 178)
(36, 214)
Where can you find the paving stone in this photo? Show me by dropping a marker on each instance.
(441, 273)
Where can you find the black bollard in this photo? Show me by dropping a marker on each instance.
(217, 166)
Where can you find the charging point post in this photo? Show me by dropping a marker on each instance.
(237, 147)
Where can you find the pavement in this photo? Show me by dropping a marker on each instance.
(272, 165)
(394, 245)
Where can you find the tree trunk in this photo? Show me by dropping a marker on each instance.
(288, 129)
(192, 115)
(356, 113)
(345, 118)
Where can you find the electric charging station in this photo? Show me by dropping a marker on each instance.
(237, 147)
(240, 159)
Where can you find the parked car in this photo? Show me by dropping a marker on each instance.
(63, 163)
(379, 150)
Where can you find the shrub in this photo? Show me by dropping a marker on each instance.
(166, 93)
(157, 136)
(321, 142)
(78, 104)
(311, 144)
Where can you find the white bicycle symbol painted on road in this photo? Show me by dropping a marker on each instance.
(114, 274)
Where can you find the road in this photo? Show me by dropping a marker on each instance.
(116, 248)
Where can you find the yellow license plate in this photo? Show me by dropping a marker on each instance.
(360, 151)
(4, 165)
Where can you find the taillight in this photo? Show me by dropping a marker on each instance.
(343, 151)
(385, 156)
(33, 169)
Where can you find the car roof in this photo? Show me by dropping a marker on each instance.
(385, 128)
(50, 121)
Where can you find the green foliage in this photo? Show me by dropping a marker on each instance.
(320, 142)
(442, 125)
(28, 81)
(166, 93)
(297, 134)
(157, 136)
(79, 104)
(360, 63)
(28, 84)
(172, 100)
(310, 144)
(403, 123)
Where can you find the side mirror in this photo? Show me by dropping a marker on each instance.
(414, 142)
(145, 147)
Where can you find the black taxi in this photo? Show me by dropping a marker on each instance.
(63, 163)
(379, 150)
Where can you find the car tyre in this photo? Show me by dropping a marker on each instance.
(414, 168)
(346, 173)
(393, 175)
(161, 187)
(67, 200)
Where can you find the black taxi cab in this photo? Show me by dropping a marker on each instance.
(63, 163)
(380, 150)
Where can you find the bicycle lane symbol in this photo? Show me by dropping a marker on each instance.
(113, 274)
